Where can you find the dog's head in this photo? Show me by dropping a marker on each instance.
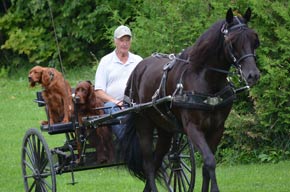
(41, 75)
(85, 92)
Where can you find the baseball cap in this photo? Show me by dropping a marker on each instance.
(122, 31)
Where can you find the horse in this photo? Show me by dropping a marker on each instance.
(202, 97)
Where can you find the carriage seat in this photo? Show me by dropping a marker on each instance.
(56, 128)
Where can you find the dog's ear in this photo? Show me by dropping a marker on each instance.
(88, 81)
(45, 77)
(91, 92)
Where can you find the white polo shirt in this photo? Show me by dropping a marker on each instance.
(112, 75)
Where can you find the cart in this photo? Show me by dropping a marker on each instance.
(40, 164)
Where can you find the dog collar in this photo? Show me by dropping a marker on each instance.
(51, 75)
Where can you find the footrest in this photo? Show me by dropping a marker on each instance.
(58, 128)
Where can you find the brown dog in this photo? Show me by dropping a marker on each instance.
(86, 106)
(56, 93)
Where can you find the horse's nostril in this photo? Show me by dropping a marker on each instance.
(253, 78)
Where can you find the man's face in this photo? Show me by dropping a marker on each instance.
(123, 44)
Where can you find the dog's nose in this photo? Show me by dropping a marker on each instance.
(29, 78)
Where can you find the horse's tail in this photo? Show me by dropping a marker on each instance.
(130, 151)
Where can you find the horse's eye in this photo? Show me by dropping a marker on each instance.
(257, 44)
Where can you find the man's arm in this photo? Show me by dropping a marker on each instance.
(107, 98)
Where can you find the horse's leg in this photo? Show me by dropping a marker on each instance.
(197, 137)
(162, 147)
(213, 140)
(145, 135)
(205, 179)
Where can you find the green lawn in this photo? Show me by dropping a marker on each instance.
(18, 113)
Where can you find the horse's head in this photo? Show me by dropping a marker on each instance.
(240, 44)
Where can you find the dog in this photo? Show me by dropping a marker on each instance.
(101, 137)
(56, 93)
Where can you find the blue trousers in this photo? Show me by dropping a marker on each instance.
(118, 129)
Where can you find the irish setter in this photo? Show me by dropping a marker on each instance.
(102, 138)
(56, 93)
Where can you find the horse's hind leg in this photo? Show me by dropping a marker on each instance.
(145, 135)
(209, 164)
(162, 147)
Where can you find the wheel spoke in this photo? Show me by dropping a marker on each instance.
(183, 164)
(31, 158)
(43, 165)
(29, 166)
(30, 151)
(185, 176)
(36, 149)
(32, 186)
(175, 181)
(45, 183)
(182, 148)
(171, 177)
(42, 155)
(39, 145)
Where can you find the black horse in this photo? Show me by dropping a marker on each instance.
(202, 97)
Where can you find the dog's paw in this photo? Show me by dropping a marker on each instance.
(44, 122)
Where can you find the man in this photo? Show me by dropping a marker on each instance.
(113, 72)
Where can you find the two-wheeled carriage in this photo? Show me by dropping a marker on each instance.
(40, 164)
(201, 99)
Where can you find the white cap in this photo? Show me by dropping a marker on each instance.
(122, 31)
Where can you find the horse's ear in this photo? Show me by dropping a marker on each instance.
(247, 15)
(230, 16)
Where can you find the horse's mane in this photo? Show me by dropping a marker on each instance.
(209, 44)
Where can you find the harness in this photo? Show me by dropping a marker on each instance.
(190, 99)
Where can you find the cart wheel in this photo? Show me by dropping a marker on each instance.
(36, 162)
(178, 167)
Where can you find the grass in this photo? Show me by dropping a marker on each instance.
(18, 113)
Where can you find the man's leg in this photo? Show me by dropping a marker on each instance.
(119, 128)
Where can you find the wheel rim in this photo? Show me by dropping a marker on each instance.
(179, 165)
(37, 167)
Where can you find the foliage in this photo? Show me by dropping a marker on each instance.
(269, 133)
(32, 28)
(258, 128)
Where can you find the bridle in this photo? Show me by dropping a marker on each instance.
(225, 30)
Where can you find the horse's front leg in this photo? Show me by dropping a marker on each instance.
(209, 164)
